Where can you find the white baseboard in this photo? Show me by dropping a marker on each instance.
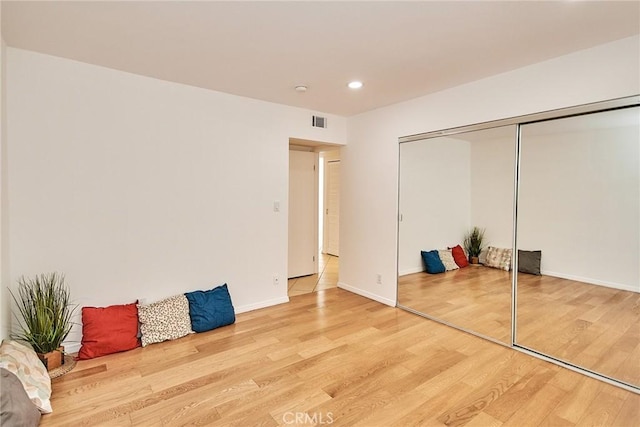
(411, 271)
(261, 304)
(590, 281)
(367, 294)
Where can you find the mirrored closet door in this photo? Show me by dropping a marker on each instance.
(448, 185)
(578, 235)
(557, 198)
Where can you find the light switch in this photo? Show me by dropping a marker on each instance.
(276, 206)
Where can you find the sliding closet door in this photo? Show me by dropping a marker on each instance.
(449, 185)
(578, 235)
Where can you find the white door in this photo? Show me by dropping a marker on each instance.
(332, 208)
(303, 213)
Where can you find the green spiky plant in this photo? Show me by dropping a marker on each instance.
(473, 242)
(44, 311)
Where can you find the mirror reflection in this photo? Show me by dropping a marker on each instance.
(578, 235)
(449, 187)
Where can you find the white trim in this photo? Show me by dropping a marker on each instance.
(411, 271)
(590, 281)
(366, 294)
(262, 304)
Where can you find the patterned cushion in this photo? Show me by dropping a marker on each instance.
(447, 259)
(164, 320)
(498, 258)
(23, 362)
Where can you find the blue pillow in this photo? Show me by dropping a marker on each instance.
(210, 309)
(433, 262)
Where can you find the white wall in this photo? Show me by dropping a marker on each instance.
(580, 201)
(435, 178)
(492, 186)
(141, 188)
(370, 166)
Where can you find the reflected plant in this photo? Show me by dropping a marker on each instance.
(473, 242)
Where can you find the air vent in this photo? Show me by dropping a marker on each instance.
(319, 122)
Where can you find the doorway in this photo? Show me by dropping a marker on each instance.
(303, 221)
(325, 219)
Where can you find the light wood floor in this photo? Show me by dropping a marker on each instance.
(476, 298)
(339, 357)
(590, 326)
(326, 278)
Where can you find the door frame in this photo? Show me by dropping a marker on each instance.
(330, 157)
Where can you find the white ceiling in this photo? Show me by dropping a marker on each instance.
(400, 50)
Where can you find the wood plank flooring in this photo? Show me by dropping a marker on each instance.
(590, 326)
(476, 298)
(326, 278)
(333, 358)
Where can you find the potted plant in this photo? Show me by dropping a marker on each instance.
(44, 316)
(473, 244)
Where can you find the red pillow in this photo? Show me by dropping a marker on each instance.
(107, 330)
(459, 256)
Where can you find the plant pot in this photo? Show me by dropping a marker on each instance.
(52, 360)
(475, 260)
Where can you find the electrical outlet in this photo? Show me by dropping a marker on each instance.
(379, 279)
(276, 280)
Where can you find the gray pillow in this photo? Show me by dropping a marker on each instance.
(16, 409)
(529, 262)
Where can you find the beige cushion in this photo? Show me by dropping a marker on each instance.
(23, 362)
(498, 258)
(164, 320)
(447, 259)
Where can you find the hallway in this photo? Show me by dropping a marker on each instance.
(326, 278)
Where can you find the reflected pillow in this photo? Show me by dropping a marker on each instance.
(482, 258)
(498, 258)
(447, 259)
(432, 262)
(459, 256)
(529, 262)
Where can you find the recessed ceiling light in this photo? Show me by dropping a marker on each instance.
(355, 84)
(301, 88)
